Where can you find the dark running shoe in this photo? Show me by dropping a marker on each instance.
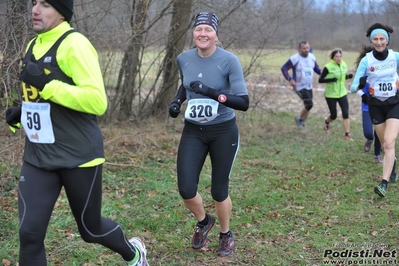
(326, 125)
(378, 159)
(394, 174)
(201, 233)
(367, 145)
(226, 245)
(381, 190)
(348, 137)
(299, 122)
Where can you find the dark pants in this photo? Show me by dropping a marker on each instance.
(38, 192)
(307, 98)
(332, 106)
(369, 132)
(221, 141)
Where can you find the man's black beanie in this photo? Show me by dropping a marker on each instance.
(65, 7)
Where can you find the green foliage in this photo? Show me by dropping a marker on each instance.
(295, 194)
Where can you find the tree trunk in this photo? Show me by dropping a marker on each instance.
(180, 23)
(11, 50)
(131, 62)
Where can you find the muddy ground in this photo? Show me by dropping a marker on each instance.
(282, 98)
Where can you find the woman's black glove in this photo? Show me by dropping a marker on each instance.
(174, 108)
(200, 88)
(349, 76)
(362, 82)
(328, 80)
(13, 116)
(365, 98)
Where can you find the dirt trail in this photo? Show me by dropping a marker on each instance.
(284, 99)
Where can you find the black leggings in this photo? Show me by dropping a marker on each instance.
(221, 141)
(38, 192)
(343, 103)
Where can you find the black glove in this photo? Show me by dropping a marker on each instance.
(365, 98)
(174, 108)
(200, 88)
(13, 115)
(328, 80)
(362, 82)
(33, 75)
(349, 76)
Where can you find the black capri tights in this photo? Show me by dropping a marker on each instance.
(343, 103)
(307, 98)
(221, 141)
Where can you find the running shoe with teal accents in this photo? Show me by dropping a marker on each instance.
(381, 189)
(299, 122)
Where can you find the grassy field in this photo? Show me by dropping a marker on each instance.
(266, 71)
(272, 61)
(297, 195)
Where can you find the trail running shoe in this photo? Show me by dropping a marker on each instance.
(348, 137)
(367, 145)
(394, 174)
(201, 233)
(381, 190)
(226, 245)
(326, 125)
(139, 245)
(378, 159)
(299, 122)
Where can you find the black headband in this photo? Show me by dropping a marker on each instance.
(333, 53)
(207, 18)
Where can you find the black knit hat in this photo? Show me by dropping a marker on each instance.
(65, 7)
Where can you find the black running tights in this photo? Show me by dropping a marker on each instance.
(38, 191)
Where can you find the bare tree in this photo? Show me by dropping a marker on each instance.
(12, 43)
(138, 40)
(135, 85)
(176, 40)
(130, 62)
